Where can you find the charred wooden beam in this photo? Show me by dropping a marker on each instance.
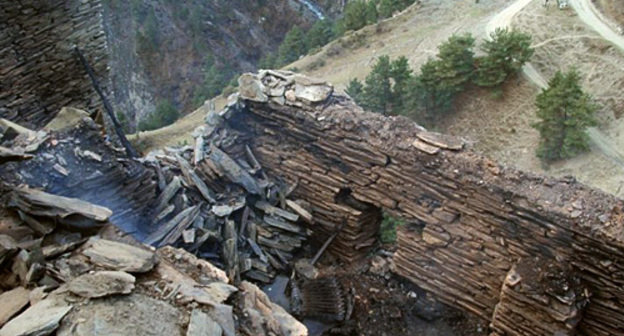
(107, 106)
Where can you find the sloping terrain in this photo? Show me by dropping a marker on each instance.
(414, 33)
(612, 9)
(500, 128)
(160, 49)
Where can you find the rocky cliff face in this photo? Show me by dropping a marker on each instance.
(161, 49)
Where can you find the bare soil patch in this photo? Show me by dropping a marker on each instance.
(612, 9)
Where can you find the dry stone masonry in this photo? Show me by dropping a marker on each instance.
(39, 72)
(471, 223)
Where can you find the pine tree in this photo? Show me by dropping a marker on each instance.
(386, 8)
(506, 52)
(355, 90)
(430, 93)
(292, 47)
(355, 16)
(371, 12)
(456, 62)
(565, 112)
(377, 95)
(400, 73)
(165, 114)
(321, 33)
(441, 79)
(268, 61)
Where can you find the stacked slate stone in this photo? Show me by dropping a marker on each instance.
(39, 71)
(468, 219)
(540, 297)
(227, 211)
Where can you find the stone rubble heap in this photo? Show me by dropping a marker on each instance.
(113, 286)
(66, 270)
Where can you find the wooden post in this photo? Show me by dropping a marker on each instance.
(107, 106)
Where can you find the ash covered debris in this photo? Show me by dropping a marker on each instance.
(66, 270)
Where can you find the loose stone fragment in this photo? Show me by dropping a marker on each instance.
(120, 256)
(102, 283)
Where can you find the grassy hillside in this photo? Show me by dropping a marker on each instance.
(499, 127)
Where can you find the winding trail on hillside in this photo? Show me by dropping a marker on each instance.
(587, 13)
(593, 18)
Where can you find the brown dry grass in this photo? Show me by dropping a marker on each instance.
(612, 9)
(562, 42)
(175, 134)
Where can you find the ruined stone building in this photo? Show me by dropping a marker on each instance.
(533, 255)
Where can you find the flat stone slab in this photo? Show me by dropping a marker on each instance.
(203, 325)
(102, 283)
(39, 320)
(134, 314)
(12, 302)
(313, 93)
(120, 256)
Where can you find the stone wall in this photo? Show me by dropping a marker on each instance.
(469, 220)
(39, 72)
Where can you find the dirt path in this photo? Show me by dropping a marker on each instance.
(587, 13)
(593, 18)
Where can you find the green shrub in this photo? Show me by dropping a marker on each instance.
(388, 229)
(506, 52)
(293, 47)
(165, 114)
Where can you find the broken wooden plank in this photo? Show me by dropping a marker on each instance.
(260, 265)
(327, 242)
(272, 210)
(199, 150)
(164, 213)
(40, 319)
(257, 250)
(244, 221)
(41, 227)
(192, 177)
(38, 203)
(441, 140)
(276, 244)
(259, 276)
(8, 247)
(12, 302)
(119, 256)
(224, 210)
(51, 251)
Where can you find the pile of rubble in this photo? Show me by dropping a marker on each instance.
(65, 268)
(57, 278)
(227, 211)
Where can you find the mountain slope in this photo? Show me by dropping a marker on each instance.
(161, 49)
